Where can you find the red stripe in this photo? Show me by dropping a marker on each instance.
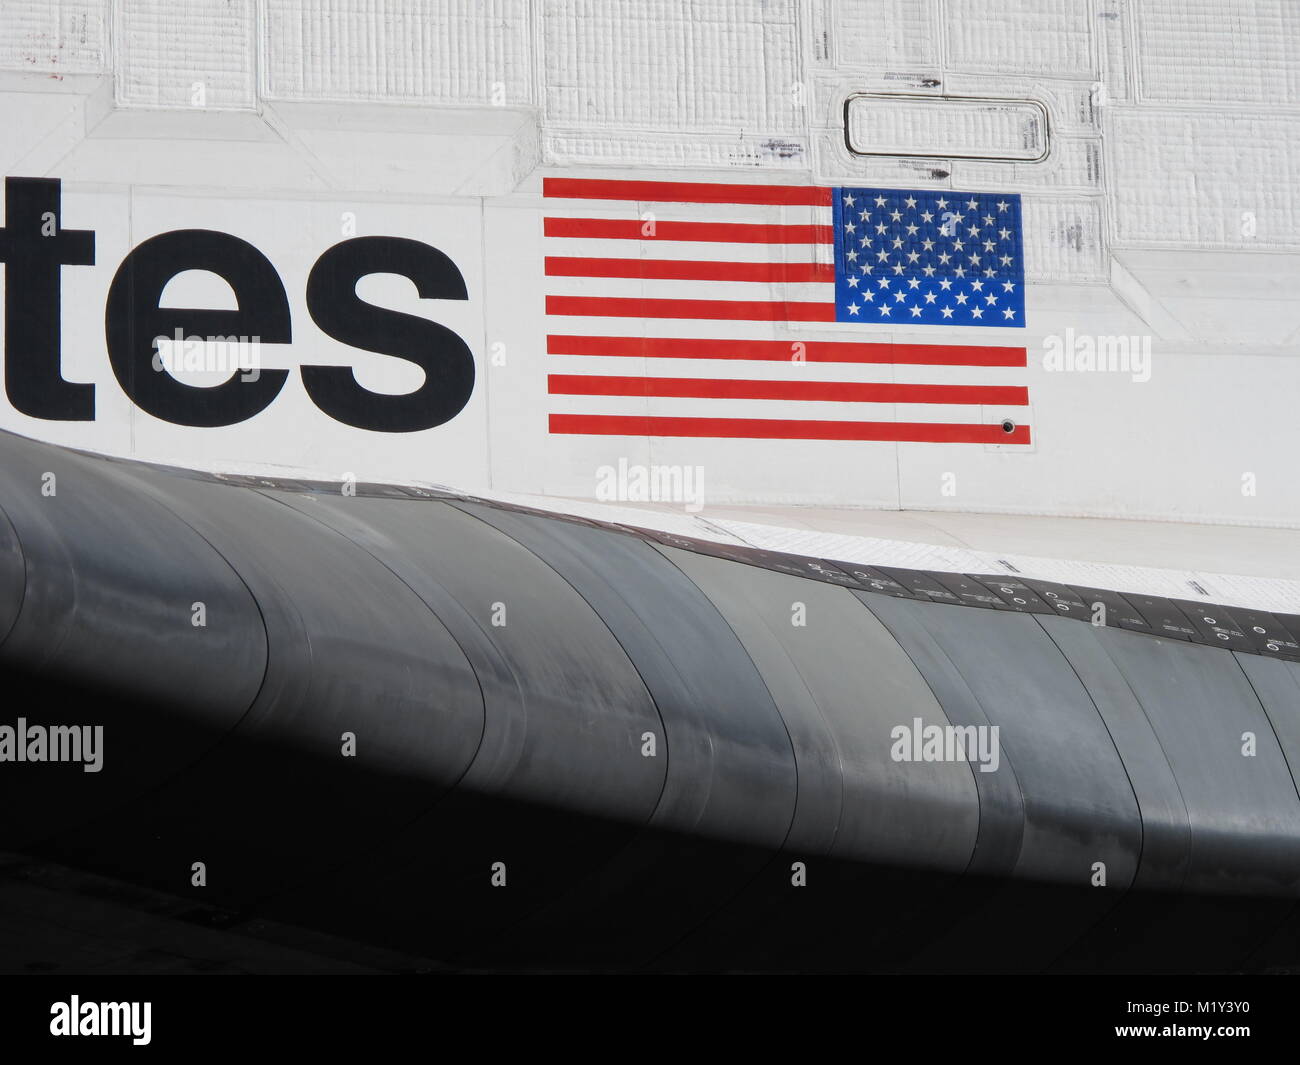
(783, 429)
(811, 391)
(733, 310)
(786, 351)
(685, 192)
(689, 270)
(719, 232)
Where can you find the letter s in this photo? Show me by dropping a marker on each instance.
(335, 307)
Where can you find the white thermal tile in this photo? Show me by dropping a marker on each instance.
(1114, 45)
(1214, 52)
(1020, 36)
(1206, 180)
(875, 36)
(667, 149)
(185, 53)
(834, 163)
(418, 51)
(1063, 239)
(673, 65)
(946, 128)
(59, 36)
(1075, 163)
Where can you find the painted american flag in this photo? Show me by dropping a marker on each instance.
(694, 309)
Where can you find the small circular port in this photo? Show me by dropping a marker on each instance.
(1008, 426)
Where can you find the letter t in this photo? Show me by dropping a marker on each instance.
(34, 245)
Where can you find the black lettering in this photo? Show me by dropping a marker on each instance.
(34, 245)
(444, 357)
(133, 319)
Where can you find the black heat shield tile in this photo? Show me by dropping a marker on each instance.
(1120, 613)
(1014, 593)
(1216, 625)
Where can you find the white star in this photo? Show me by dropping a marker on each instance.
(988, 245)
(1006, 260)
(1008, 313)
(866, 268)
(942, 204)
(978, 286)
(864, 215)
(854, 308)
(974, 260)
(944, 257)
(960, 271)
(911, 231)
(880, 227)
(853, 282)
(895, 215)
(927, 244)
(880, 201)
(898, 268)
(945, 284)
(884, 282)
(961, 298)
(1001, 206)
(991, 299)
(928, 271)
(977, 312)
(947, 311)
(849, 227)
(883, 256)
(852, 256)
(926, 216)
(989, 271)
(972, 204)
(1008, 286)
(930, 297)
(974, 231)
(958, 245)
(912, 256)
(885, 310)
(868, 295)
(898, 242)
(988, 219)
(900, 296)
(849, 201)
(910, 201)
(913, 282)
(1005, 234)
(865, 242)
(916, 311)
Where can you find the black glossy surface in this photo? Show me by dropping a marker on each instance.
(504, 674)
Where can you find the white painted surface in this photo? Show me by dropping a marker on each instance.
(437, 121)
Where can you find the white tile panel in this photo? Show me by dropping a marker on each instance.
(1064, 239)
(655, 149)
(1115, 50)
(414, 51)
(682, 65)
(55, 36)
(947, 128)
(1198, 179)
(1020, 37)
(185, 53)
(1209, 51)
(875, 36)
